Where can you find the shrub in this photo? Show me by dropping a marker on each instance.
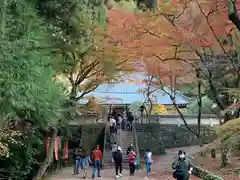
(204, 174)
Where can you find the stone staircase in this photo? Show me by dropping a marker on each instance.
(124, 139)
(127, 138)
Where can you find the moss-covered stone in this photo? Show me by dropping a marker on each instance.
(204, 174)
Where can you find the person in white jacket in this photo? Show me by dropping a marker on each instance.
(148, 161)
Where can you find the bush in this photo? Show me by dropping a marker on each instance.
(204, 174)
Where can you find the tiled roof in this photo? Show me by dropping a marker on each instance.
(127, 92)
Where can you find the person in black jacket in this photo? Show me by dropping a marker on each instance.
(182, 166)
(130, 148)
(118, 161)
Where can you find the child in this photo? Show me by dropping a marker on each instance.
(148, 161)
(131, 156)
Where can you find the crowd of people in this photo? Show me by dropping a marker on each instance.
(182, 166)
(117, 155)
(122, 120)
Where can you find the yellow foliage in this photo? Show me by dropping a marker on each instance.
(159, 109)
(230, 129)
(8, 137)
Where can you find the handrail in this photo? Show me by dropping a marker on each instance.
(136, 142)
(105, 142)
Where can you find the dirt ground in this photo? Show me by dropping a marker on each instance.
(231, 172)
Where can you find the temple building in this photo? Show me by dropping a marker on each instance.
(132, 89)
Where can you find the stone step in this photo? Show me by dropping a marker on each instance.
(127, 142)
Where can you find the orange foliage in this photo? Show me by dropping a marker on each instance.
(165, 42)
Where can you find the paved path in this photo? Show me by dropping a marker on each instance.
(109, 174)
(161, 169)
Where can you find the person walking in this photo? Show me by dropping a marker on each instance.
(118, 162)
(97, 157)
(113, 128)
(131, 156)
(124, 122)
(130, 148)
(130, 121)
(74, 155)
(182, 167)
(114, 133)
(148, 161)
(114, 150)
(86, 161)
(78, 162)
(120, 120)
(112, 122)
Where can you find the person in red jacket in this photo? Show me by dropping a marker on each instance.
(97, 157)
(131, 156)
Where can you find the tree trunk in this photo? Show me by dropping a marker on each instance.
(200, 141)
(73, 94)
(199, 101)
(224, 155)
(47, 160)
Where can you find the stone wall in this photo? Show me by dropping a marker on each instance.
(158, 137)
(89, 135)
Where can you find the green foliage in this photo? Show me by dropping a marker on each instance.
(229, 135)
(206, 106)
(29, 100)
(74, 25)
(134, 108)
(204, 174)
(22, 158)
(27, 90)
(229, 129)
(128, 6)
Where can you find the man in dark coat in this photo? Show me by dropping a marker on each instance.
(182, 166)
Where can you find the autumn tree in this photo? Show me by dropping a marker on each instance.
(187, 40)
(87, 56)
(192, 39)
